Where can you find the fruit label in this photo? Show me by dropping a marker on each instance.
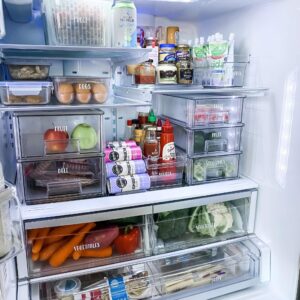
(85, 86)
(61, 128)
(168, 152)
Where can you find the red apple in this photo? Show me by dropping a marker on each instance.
(56, 141)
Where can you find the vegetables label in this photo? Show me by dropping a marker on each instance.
(117, 288)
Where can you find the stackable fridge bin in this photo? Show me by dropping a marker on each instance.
(186, 224)
(206, 169)
(57, 179)
(34, 141)
(208, 141)
(199, 111)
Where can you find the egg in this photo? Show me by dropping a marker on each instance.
(83, 98)
(65, 93)
(83, 88)
(100, 92)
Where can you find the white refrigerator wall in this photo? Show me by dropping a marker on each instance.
(270, 32)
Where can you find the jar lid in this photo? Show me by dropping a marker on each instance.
(67, 287)
(167, 46)
(183, 46)
(167, 63)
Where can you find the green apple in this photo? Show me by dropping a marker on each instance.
(86, 135)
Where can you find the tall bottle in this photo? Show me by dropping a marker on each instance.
(124, 24)
(167, 146)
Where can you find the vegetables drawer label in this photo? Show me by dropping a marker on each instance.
(117, 289)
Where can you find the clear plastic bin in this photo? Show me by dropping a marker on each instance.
(25, 93)
(81, 90)
(216, 168)
(208, 141)
(198, 111)
(193, 225)
(98, 244)
(168, 174)
(54, 132)
(78, 22)
(57, 180)
(28, 70)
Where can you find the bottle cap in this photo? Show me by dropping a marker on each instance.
(129, 122)
(159, 124)
(167, 127)
(151, 117)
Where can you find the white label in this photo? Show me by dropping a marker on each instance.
(121, 154)
(86, 246)
(216, 134)
(62, 171)
(124, 168)
(128, 184)
(61, 128)
(168, 152)
(85, 86)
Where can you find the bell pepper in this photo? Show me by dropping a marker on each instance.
(129, 241)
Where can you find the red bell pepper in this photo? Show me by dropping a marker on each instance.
(129, 241)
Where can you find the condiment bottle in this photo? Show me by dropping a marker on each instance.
(173, 35)
(158, 129)
(151, 117)
(143, 118)
(151, 145)
(138, 134)
(129, 130)
(167, 146)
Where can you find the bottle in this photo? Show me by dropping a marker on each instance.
(143, 118)
(158, 129)
(151, 117)
(124, 24)
(167, 146)
(129, 130)
(151, 145)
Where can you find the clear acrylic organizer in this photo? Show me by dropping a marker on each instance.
(194, 111)
(208, 141)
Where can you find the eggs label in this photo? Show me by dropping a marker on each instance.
(85, 86)
(61, 128)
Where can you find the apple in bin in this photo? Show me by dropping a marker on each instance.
(86, 135)
(56, 141)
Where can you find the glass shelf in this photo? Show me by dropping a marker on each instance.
(70, 52)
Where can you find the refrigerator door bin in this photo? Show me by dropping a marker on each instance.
(25, 93)
(48, 133)
(208, 141)
(195, 111)
(83, 90)
(71, 248)
(187, 224)
(208, 169)
(54, 180)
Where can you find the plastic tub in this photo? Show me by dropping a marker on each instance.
(208, 141)
(81, 90)
(25, 93)
(78, 22)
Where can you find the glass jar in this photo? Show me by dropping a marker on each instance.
(167, 53)
(183, 52)
(166, 73)
(185, 72)
(145, 73)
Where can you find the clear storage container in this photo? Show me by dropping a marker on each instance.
(208, 141)
(198, 111)
(166, 174)
(194, 222)
(216, 168)
(25, 70)
(54, 180)
(25, 93)
(78, 22)
(47, 133)
(81, 90)
(81, 246)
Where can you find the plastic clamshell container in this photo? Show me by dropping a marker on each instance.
(215, 168)
(70, 90)
(55, 180)
(166, 174)
(27, 70)
(208, 141)
(55, 133)
(78, 23)
(197, 222)
(11, 239)
(25, 93)
(195, 111)
(99, 244)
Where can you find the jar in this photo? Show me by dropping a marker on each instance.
(167, 53)
(166, 73)
(183, 52)
(173, 35)
(145, 73)
(66, 288)
(185, 72)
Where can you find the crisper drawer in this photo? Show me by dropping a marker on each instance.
(197, 111)
(207, 273)
(185, 224)
(212, 168)
(101, 241)
(49, 133)
(208, 141)
(54, 180)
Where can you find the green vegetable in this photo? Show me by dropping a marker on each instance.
(172, 224)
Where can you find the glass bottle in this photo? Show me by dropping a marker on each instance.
(151, 145)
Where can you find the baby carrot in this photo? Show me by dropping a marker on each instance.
(34, 256)
(48, 250)
(39, 242)
(99, 253)
(32, 234)
(77, 254)
(60, 256)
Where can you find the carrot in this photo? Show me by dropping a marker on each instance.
(60, 256)
(39, 242)
(99, 253)
(48, 250)
(77, 254)
(32, 234)
(58, 233)
(35, 257)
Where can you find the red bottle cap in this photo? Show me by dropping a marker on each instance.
(167, 127)
(159, 123)
(129, 122)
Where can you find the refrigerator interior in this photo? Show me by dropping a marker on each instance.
(269, 32)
